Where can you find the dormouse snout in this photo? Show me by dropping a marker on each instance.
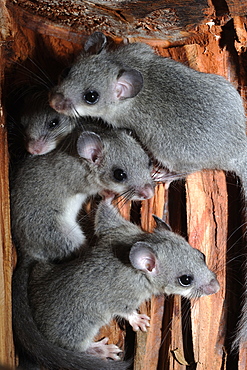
(40, 146)
(146, 192)
(212, 287)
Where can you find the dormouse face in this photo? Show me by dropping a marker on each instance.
(44, 129)
(163, 261)
(94, 86)
(119, 163)
(173, 266)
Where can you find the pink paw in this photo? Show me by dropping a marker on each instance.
(103, 350)
(160, 174)
(139, 321)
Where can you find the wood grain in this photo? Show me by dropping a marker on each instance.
(161, 19)
(7, 354)
(207, 231)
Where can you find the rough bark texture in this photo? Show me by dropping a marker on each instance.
(7, 354)
(210, 37)
(160, 19)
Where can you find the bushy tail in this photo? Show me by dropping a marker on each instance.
(241, 332)
(30, 342)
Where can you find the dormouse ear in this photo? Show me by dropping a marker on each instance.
(90, 146)
(142, 258)
(161, 224)
(129, 84)
(95, 43)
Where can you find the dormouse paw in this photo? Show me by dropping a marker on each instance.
(139, 321)
(160, 174)
(103, 350)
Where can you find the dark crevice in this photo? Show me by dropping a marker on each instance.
(234, 268)
(221, 7)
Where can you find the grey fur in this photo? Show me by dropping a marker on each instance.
(33, 348)
(43, 128)
(73, 300)
(48, 191)
(188, 120)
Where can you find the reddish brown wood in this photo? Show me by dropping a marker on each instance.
(7, 356)
(236, 7)
(5, 22)
(176, 356)
(6, 340)
(207, 230)
(151, 357)
(161, 19)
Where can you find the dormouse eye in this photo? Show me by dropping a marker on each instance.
(129, 132)
(185, 280)
(119, 174)
(91, 97)
(53, 123)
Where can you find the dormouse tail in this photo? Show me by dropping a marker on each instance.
(33, 346)
(240, 169)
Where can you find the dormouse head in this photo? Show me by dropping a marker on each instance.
(95, 83)
(118, 162)
(163, 258)
(172, 266)
(44, 128)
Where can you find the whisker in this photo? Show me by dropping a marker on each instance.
(42, 71)
(27, 72)
(74, 112)
(126, 196)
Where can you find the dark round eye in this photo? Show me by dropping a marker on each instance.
(129, 132)
(119, 174)
(53, 123)
(91, 96)
(185, 280)
(150, 163)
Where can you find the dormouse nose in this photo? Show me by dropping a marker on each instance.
(146, 192)
(212, 287)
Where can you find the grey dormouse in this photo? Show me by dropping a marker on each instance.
(43, 128)
(48, 191)
(71, 301)
(187, 120)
